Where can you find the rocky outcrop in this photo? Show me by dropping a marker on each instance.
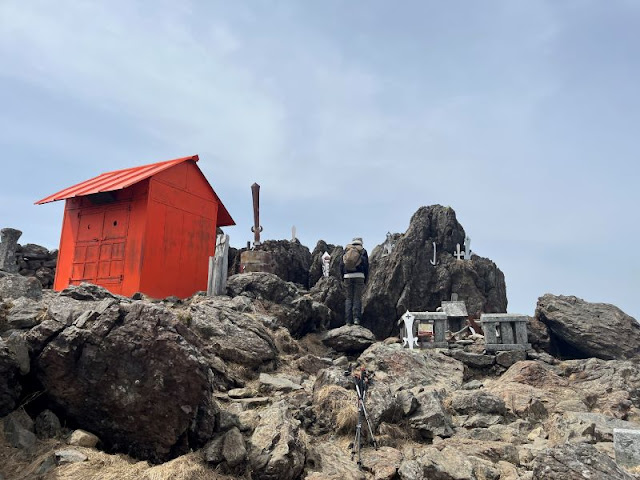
(134, 377)
(37, 261)
(300, 314)
(406, 280)
(581, 329)
(232, 334)
(576, 462)
(291, 260)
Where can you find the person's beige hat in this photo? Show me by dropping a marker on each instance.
(356, 241)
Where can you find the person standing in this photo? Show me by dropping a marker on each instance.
(354, 268)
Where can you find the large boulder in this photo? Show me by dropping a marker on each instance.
(276, 450)
(405, 279)
(235, 336)
(136, 379)
(291, 260)
(349, 339)
(582, 329)
(315, 270)
(576, 462)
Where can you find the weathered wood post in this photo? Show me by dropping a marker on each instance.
(218, 267)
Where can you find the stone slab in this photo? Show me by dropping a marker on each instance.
(454, 309)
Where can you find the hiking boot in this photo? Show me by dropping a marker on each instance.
(357, 321)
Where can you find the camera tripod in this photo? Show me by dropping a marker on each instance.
(361, 379)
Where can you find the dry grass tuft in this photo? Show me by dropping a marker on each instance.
(16, 464)
(338, 406)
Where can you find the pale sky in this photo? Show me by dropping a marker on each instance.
(522, 115)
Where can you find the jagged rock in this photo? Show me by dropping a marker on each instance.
(115, 374)
(430, 419)
(291, 260)
(576, 462)
(349, 338)
(582, 329)
(87, 291)
(10, 388)
(406, 279)
(82, 438)
(477, 401)
(276, 451)
(8, 248)
(234, 450)
(25, 313)
(47, 424)
(16, 286)
(330, 292)
(233, 336)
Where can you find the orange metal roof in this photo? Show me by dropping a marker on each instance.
(119, 179)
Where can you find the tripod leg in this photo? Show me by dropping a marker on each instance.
(366, 418)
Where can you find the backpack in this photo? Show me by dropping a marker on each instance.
(352, 258)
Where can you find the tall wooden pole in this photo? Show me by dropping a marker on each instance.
(256, 229)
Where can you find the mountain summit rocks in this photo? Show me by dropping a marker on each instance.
(583, 329)
(406, 279)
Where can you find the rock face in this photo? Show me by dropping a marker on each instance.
(406, 279)
(581, 329)
(576, 462)
(135, 379)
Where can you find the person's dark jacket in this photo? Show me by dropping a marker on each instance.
(362, 268)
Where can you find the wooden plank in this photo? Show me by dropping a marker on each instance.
(220, 266)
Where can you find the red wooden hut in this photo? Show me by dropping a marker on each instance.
(148, 229)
